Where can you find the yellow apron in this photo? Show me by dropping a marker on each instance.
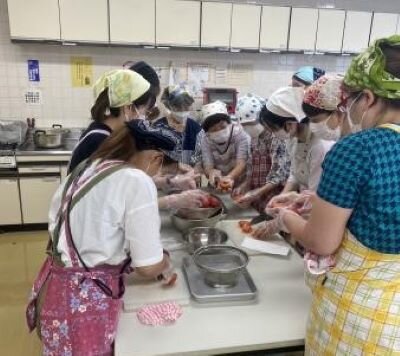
(356, 305)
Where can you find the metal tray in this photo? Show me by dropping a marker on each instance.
(244, 290)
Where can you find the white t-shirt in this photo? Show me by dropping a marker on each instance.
(117, 216)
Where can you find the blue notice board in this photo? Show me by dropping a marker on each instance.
(33, 70)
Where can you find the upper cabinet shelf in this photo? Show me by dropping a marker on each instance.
(356, 31)
(330, 30)
(178, 23)
(216, 24)
(274, 28)
(245, 26)
(303, 29)
(383, 25)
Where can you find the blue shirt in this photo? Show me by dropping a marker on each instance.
(362, 172)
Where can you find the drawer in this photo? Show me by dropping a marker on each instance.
(39, 169)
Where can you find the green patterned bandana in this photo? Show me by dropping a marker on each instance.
(124, 86)
(367, 71)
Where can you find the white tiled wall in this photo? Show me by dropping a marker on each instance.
(70, 106)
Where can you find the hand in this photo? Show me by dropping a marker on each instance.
(168, 276)
(214, 176)
(246, 199)
(225, 184)
(185, 181)
(266, 229)
(240, 190)
(187, 199)
(303, 204)
(285, 200)
(281, 218)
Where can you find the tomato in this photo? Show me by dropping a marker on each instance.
(213, 202)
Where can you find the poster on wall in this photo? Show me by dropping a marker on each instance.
(81, 72)
(33, 70)
(198, 75)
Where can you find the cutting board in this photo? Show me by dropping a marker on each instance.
(141, 292)
(231, 227)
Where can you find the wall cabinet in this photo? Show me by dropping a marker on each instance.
(84, 21)
(36, 195)
(133, 21)
(356, 31)
(245, 26)
(303, 29)
(10, 211)
(178, 23)
(274, 27)
(216, 24)
(330, 30)
(383, 25)
(29, 21)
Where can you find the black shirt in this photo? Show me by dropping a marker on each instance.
(87, 146)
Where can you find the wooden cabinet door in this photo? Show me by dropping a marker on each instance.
(216, 24)
(10, 212)
(356, 31)
(303, 29)
(274, 27)
(330, 30)
(246, 26)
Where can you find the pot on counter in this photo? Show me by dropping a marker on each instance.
(183, 225)
(49, 138)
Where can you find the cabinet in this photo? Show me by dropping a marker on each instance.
(84, 21)
(216, 24)
(274, 27)
(383, 25)
(178, 23)
(27, 20)
(63, 171)
(245, 26)
(10, 212)
(133, 21)
(330, 30)
(303, 29)
(36, 195)
(356, 31)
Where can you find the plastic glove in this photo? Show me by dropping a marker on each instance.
(168, 276)
(225, 184)
(240, 190)
(248, 198)
(188, 199)
(303, 204)
(278, 202)
(185, 181)
(281, 218)
(266, 229)
(214, 176)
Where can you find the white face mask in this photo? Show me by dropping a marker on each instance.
(324, 132)
(354, 127)
(180, 116)
(221, 136)
(282, 134)
(254, 130)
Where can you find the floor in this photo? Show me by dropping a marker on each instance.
(21, 255)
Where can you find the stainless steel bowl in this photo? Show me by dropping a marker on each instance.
(184, 225)
(204, 236)
(220, 265)
(199, 213)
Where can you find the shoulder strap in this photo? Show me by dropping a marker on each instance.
(391, 127)
(97, 179)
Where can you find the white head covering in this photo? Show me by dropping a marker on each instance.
(124, 86)
(287, 102)
(217, 107)
(248, 108)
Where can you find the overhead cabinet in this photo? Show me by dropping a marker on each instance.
(178, 23)
(35, 20)
(383, 25)
(274, 27)
(133, 21)
(356, 31)
(84, 21)
(330, 30)
(216, 24)
(303, 29)
(245, 26)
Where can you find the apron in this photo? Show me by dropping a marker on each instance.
(356, 305)
(261, 167)
(76, 309)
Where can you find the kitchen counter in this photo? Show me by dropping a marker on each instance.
(276, 320)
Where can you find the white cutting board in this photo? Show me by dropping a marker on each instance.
(140, 292)
(231, 227)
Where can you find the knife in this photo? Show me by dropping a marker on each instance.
(260, 218)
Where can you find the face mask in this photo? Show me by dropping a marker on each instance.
(254, 130)
(148, 167)
(180, 116)
(221, 136)
(354, 127)
(282, 134)
(324, 132)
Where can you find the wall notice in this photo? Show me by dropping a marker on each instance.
(81, 72)
(33, 70)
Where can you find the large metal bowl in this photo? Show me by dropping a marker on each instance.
(204, 236)
(183, 225)
(199, 213)
(220, 265)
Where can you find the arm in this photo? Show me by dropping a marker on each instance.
(243, 155)
(238, 170)
(317, 156)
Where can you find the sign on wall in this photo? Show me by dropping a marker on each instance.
(33, 70)
(81, 72)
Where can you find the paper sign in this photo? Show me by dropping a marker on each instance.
(81, 72)
(273, 248)
(33, 70)
(197, 78)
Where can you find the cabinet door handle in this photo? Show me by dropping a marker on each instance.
(51, 179)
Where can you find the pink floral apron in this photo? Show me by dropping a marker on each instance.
(76, 308)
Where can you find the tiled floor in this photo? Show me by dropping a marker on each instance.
(21, 255)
